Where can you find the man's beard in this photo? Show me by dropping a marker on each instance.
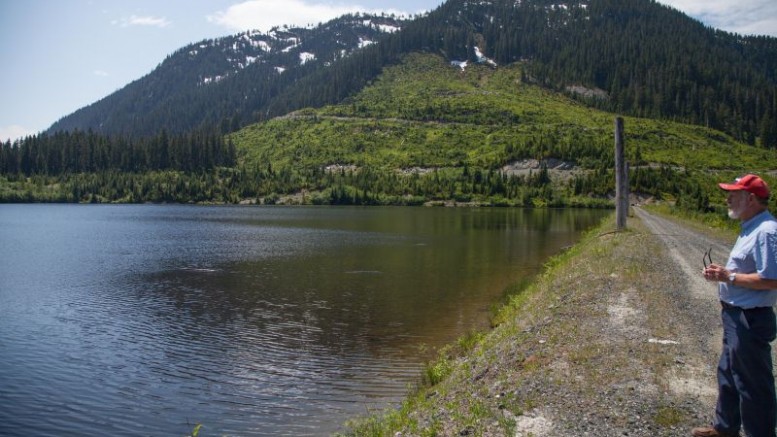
(735, 211)
(736, 208)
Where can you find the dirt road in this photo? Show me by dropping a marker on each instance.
(686, 248)
(696, 298)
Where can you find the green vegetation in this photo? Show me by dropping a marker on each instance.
(119, 187)
(424, 132)
(426, 113)
(462, 127)
(196, 430)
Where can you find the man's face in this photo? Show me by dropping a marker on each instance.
(737, 203)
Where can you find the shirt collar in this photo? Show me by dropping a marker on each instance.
(754, 221)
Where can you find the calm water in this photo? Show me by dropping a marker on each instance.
(147, 319)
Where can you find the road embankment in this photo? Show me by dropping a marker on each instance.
(619, 336)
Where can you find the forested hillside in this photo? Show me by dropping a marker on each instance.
(475, 102)
(87, 152)
(424, 131)
(425, 119)
(225, 83)
(637, 57)
(631, 56)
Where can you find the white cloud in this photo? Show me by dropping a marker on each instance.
(265, 14)
(135, 20)
(747, 17)
(100, 73)
(14, 132)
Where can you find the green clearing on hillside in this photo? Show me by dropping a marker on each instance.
(428, 113)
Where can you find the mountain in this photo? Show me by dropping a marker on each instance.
(428, 121)
(425, 130)
(635, 57)
(226, 82)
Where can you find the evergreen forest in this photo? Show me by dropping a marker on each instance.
(496, 103)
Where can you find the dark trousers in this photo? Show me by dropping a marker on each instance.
(746, 395)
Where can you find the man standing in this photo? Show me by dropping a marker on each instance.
(748, 290)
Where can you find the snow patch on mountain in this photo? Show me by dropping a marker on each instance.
(245, 49)
(385, 28)
(306, 57)
(209, 80)
(460, 64)
(482, 59)
(294, 44)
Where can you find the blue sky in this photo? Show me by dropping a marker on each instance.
(57, 56)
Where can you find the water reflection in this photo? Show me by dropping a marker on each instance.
(253, 321)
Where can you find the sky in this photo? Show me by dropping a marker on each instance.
(57, 56)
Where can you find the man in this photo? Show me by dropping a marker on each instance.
(748, 290)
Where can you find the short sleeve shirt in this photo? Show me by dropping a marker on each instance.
(754, 252)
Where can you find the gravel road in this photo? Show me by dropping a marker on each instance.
(699, 297)
(660, 338)
(663, 324)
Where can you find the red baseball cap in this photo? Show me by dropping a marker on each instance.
(750, 183)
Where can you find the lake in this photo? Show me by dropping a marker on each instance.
(129, 320)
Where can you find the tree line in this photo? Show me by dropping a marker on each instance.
(365, 186)
(88, 152)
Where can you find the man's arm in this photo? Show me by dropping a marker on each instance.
(754, 282)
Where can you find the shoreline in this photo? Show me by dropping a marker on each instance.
(616, 337)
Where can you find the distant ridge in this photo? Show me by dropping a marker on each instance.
(224, 83)
(635, 57)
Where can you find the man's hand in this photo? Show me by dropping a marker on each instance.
(753, 281)
(716, 272)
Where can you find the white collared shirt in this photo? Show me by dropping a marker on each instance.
(754, 252)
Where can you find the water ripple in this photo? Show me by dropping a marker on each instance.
(144, 320)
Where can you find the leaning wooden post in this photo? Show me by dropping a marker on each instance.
(621, 178)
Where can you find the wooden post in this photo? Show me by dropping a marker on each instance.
(621, 178)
